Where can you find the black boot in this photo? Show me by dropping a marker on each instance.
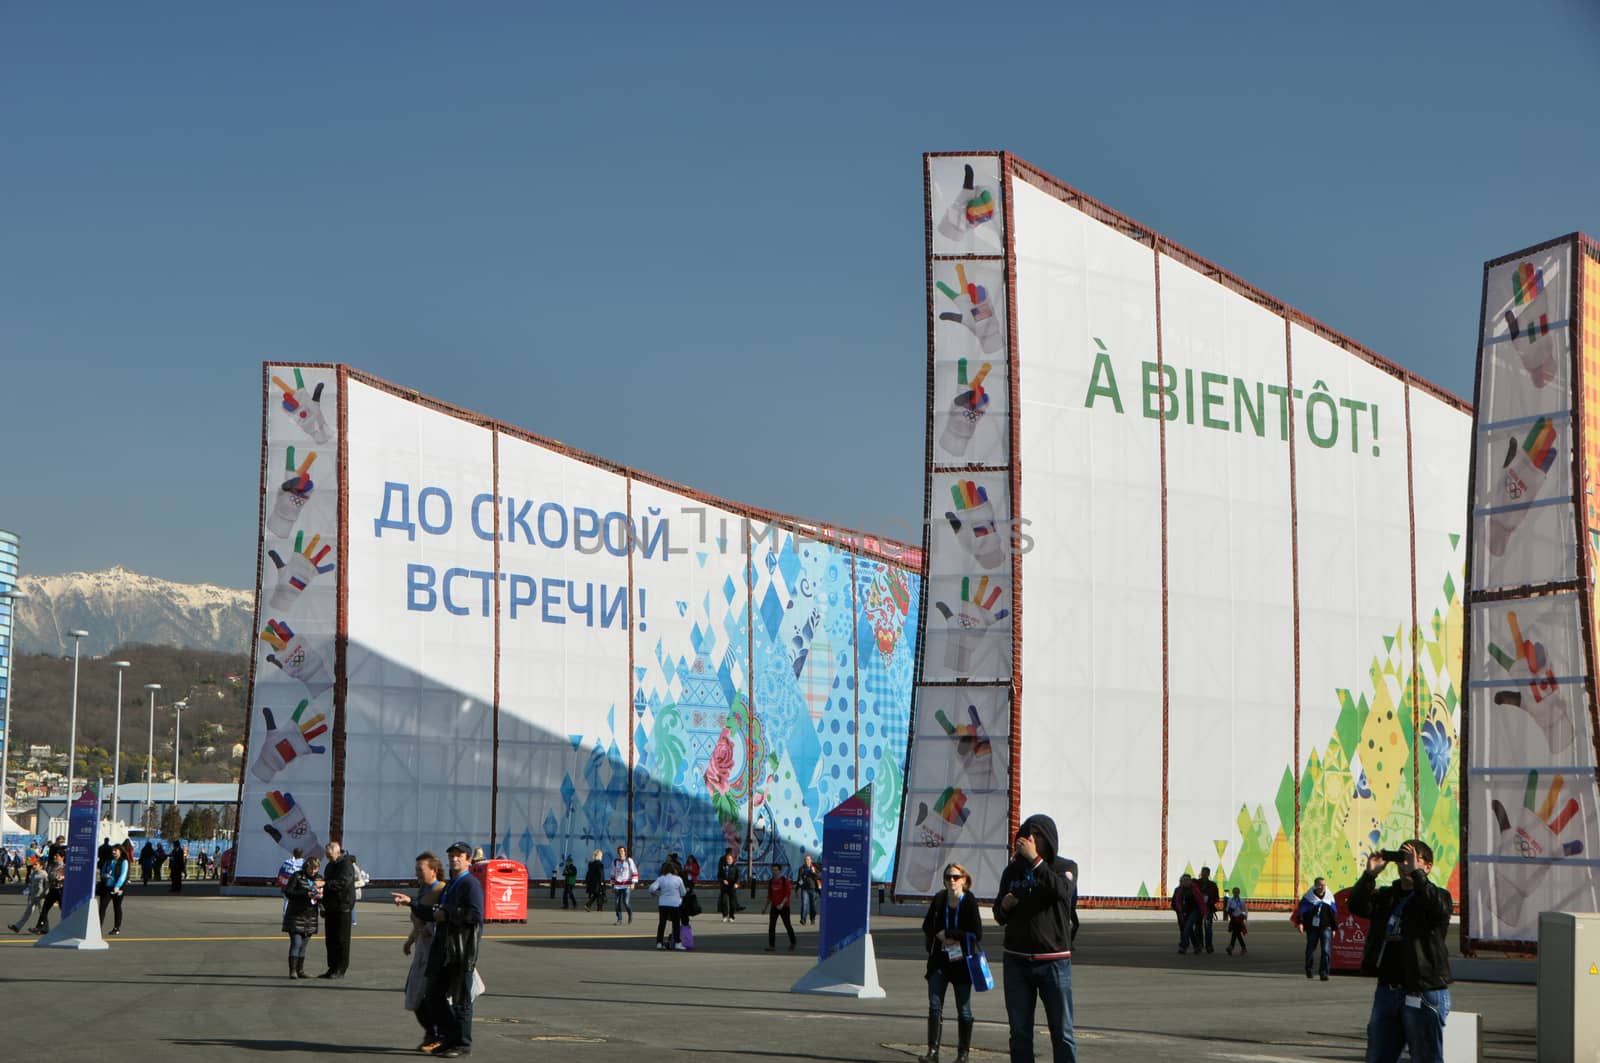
(933, 1039)
(963, 1039)
(300, 967)
(292, 973)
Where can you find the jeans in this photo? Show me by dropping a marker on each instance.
(1205, 921)
(297, 945)
(1315, 936)
(1189, 931)
(808, 905)
(1394, 1026)
(1051, 982)
(623, 902)
(937, 980)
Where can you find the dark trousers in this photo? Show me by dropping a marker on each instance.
(52, 898)
(115, 901)
(336, 935)
(727, 899)
(568, 900)
(772, 926)
(664, 915)
(1236, 935)
(452, 1019)
(1318, 936)
(177, 882)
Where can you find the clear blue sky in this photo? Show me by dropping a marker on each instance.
(685, 224)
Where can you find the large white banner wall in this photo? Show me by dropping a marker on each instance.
(544, 654)
(1235, 544)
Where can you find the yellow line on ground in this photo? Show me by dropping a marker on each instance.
(33, 940)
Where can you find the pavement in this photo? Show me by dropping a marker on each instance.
(200, 976)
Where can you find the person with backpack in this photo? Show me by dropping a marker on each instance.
(953, 924)
(113, 878)
(624, 874)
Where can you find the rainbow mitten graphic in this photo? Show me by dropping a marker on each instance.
(1535, 835)
(973, 522)
(1525, 658)
(1529, 322)
(966, 409)
(305, 407)
(296, 574)
(287, 825)
(936, 830)
(974, 310)
(297, 660)
(973, 206)
(969, 641)
(293, 494)
(1520, 480)
(973, 748)
(283, 744)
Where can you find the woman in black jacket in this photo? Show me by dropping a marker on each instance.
(951, 927)
(301, 894)
(594, 883)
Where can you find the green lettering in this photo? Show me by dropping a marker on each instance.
(1108, 389)
(1243, 410)
(1211, 398)
(1164, 387)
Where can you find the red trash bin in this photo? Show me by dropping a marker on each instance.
(1349, 936)
(505, 890)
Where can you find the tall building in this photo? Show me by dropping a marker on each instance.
(10, 548)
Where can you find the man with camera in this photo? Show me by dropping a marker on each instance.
(1406, 950)
(1034, 904)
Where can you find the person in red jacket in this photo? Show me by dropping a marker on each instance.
(780, 890)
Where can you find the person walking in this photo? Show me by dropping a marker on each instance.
(419, 946)
(1210, 904)
(949, 930)
(1406, 952)
(624, 874)
(34, 888)
(113, 879)
(1032, 902)
(669, 892)
(56, 883)
(569, 879)
(1186, 904)
(1237, 916)
(780, 891)
(809, 879)
(301, 895)
(147, 863)
(594, 883)
(453, 961)
(338, 908)
(1314, 917)
(177, 866)
(727, 887)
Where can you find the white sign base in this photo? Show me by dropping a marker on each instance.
(78, 929)
(850, 972)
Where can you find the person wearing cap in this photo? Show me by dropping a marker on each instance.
(453, 961)
(1033, 904)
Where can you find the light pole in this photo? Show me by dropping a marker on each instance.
(150, 757)
(72, 739)
(177, 735)
(11, 597)
(116, 757)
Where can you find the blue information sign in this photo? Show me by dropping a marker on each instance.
(846, 873)
(82, 822)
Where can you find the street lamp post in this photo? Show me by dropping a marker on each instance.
(72, 739)
(12, 596)
(116, 757)
(150, 756)
(177, 736)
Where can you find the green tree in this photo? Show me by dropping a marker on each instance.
(170, 823)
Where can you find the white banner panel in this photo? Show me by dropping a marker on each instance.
(1229, 563)
(1533, 841)
(1091, 736)
(968, 216)
(1528, 702)
(1526, 337)
(286, 798)
(1355, 607)
(419, 712)
(1522, 518)
(565, 612)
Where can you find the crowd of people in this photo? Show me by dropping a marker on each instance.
(1035, 908)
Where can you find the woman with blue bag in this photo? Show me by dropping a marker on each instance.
(952, 929)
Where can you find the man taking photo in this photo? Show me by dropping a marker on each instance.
(1406, 951)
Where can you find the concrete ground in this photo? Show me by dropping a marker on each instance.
(199, 976)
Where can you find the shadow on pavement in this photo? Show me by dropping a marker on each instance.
(318, 1047)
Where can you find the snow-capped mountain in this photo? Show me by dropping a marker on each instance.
(117, 606)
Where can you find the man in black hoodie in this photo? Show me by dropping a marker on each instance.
(1034, 905)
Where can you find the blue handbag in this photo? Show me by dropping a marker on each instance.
(978, 966)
